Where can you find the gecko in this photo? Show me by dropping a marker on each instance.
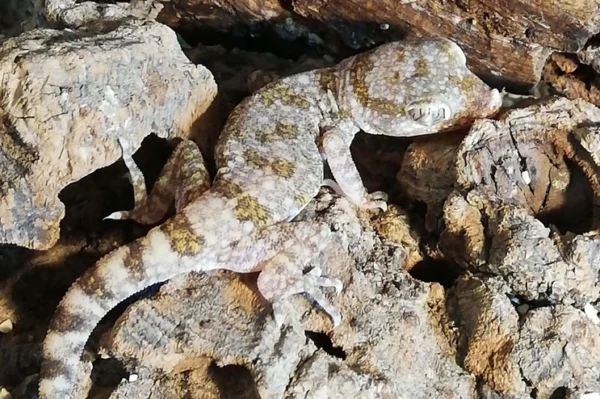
(270, 163)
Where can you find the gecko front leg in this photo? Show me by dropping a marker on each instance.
(336, 147)
(136, 177)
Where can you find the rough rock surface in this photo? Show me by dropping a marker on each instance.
(80, 14)
(66, 100)
(547, 351)
(570, 75)
(513, 175)
(221, 15)
(427, 173)
(516, 200)
(489, 326)
(559, 350)
(393, 338)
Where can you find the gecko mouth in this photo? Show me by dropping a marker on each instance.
(429, 114)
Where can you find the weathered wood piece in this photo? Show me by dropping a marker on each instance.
(510, 40)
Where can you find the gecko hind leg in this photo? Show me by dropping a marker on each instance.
(282, 276)
(183, 179)
(281, 252)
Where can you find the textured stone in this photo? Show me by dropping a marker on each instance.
(66, 100)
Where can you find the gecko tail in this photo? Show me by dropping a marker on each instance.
(117, 276)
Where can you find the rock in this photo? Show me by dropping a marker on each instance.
(500, 39)
(6, 326)
(395, 225)
(80, 14)
(427, 173)
(547, 352)
(394, 338)
(18, 16)
(571, 77)
(222, 15)
(495, 221)
(489, 331)
(68, 97)
(590, 55)
(559, 350)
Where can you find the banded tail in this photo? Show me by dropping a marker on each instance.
(157, 257)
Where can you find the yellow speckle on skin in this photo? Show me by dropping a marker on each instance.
(394, 79)
(283, 131)
(284, 93)
(99, 292)
(329, 80)
(280, 167)
(400, 55)
(448, 51)
(283, 168)
(360, 69)
(302, 199)
(181, 237)
(421, 67)
(249, 209)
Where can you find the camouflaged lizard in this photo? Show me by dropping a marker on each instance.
(270, 165)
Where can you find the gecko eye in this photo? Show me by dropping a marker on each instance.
(429, 113)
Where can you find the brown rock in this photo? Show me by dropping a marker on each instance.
(83, 14)
(489, 331)
(67, 97)
(221, 15)
(427, 173)
(559, 351)
(511, 41)
(570, 76)
(503, 39)
(529, 159)
(546, 351)
(535, 165)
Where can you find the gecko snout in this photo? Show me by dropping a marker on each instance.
(487, 101)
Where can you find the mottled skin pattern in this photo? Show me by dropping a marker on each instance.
(270, 164)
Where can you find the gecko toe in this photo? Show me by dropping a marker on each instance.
(378, 196)
(118, 215)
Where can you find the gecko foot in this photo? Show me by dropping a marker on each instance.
(377, 199)
(119, 215)
(282, 277)
(311, 283)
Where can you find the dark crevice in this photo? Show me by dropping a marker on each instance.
(576, 213)
(233, 382)
(432, 270)
(517, 300)
(322, 341)
(106, 373)
(559, 393)
(593, 40)
(258, 37)
(583, 72)
(287, 5)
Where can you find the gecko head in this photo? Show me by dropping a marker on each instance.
(414, 88)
